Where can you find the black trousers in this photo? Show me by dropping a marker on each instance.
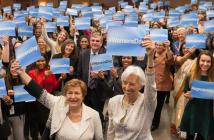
(161, 95)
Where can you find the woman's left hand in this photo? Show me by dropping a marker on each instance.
(167, 43)
(71, 69)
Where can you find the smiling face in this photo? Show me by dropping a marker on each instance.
(74, 97)
(131, 85)
(126, 61)
(62, 36)
(41, 63)
(96, 43)
(84, 43)
(69, 48)
(205, 63)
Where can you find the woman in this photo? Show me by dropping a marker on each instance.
(200, 110)
(69, 117)
(55, 46)
(164, 61)
(83, 43)
(184, 64)
(115, 80)
(125, 111)
(40, 74)
(69, 50)
(16, 111)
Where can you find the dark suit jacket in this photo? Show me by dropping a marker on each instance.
(84, 60)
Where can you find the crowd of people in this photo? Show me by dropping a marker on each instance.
(123, 103)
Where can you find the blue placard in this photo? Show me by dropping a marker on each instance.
(143, 8)
(113, 24)
(153, 5)
(20, 22)
(7, 28)
(30, 8)
(17, 6)
(189, 20)
(105, 20)
(25, 31)
(194, 1)
(21, 95)
(118, 16)
(7, 9)
(72, 11)
(124, 41)
(209, 26)
(63, 3)
(123, 4)
(195, 40)
(131, 21)
(50, 26)
(148, 17)
(173, 12)
(96, 8)
(202, 90)
(63, 21)
(34, 12)
(3, 90)
(87, 14)
(45, 12)
(159, 35)
(210, 13)
(60, 65)
(159, 15)
(181, 9)
(83, 23)
(49, 4)
(101, 62)
(56, 12)
(113, 9)
(173, 22)
(28, 52)
(143, 29)
(19, 14)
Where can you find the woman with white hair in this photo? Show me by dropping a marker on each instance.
(130, 115)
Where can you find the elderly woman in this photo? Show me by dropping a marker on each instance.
(69, 118)
(125, 111)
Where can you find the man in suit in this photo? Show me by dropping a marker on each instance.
(97, 90)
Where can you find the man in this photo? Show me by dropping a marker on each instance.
(97, 89)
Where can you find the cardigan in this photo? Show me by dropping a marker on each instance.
(58, 112)
(138, 120)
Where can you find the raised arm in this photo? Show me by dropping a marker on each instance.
(150, 90)
(33, 88)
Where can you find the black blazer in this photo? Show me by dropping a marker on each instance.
(83, 65)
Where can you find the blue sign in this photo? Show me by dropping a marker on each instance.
(20, 22)
(19, 14)
(45, 12)
(7, 28)
(87, 14)
(60, 65)
(34, 12)
(50, 26)
(118, 16)
(195, 40)
(7, 9)
(210, 13)
(173, 12)
(101, 62)
(173, 22)
(17, 6)
(148, 17)
(209, 26)
(96, 8)
(25, 31)
(83, 23)
(131, 21)
(194, 1)
(189, 20)
(124, 41)
(202, 89)
(114, 24)
(21, 95)
(143, 29)
(72, 11)
(28, 52)
(50, 4)
(63, 21)
(159, 35)
(3, 90)
(104, 20)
